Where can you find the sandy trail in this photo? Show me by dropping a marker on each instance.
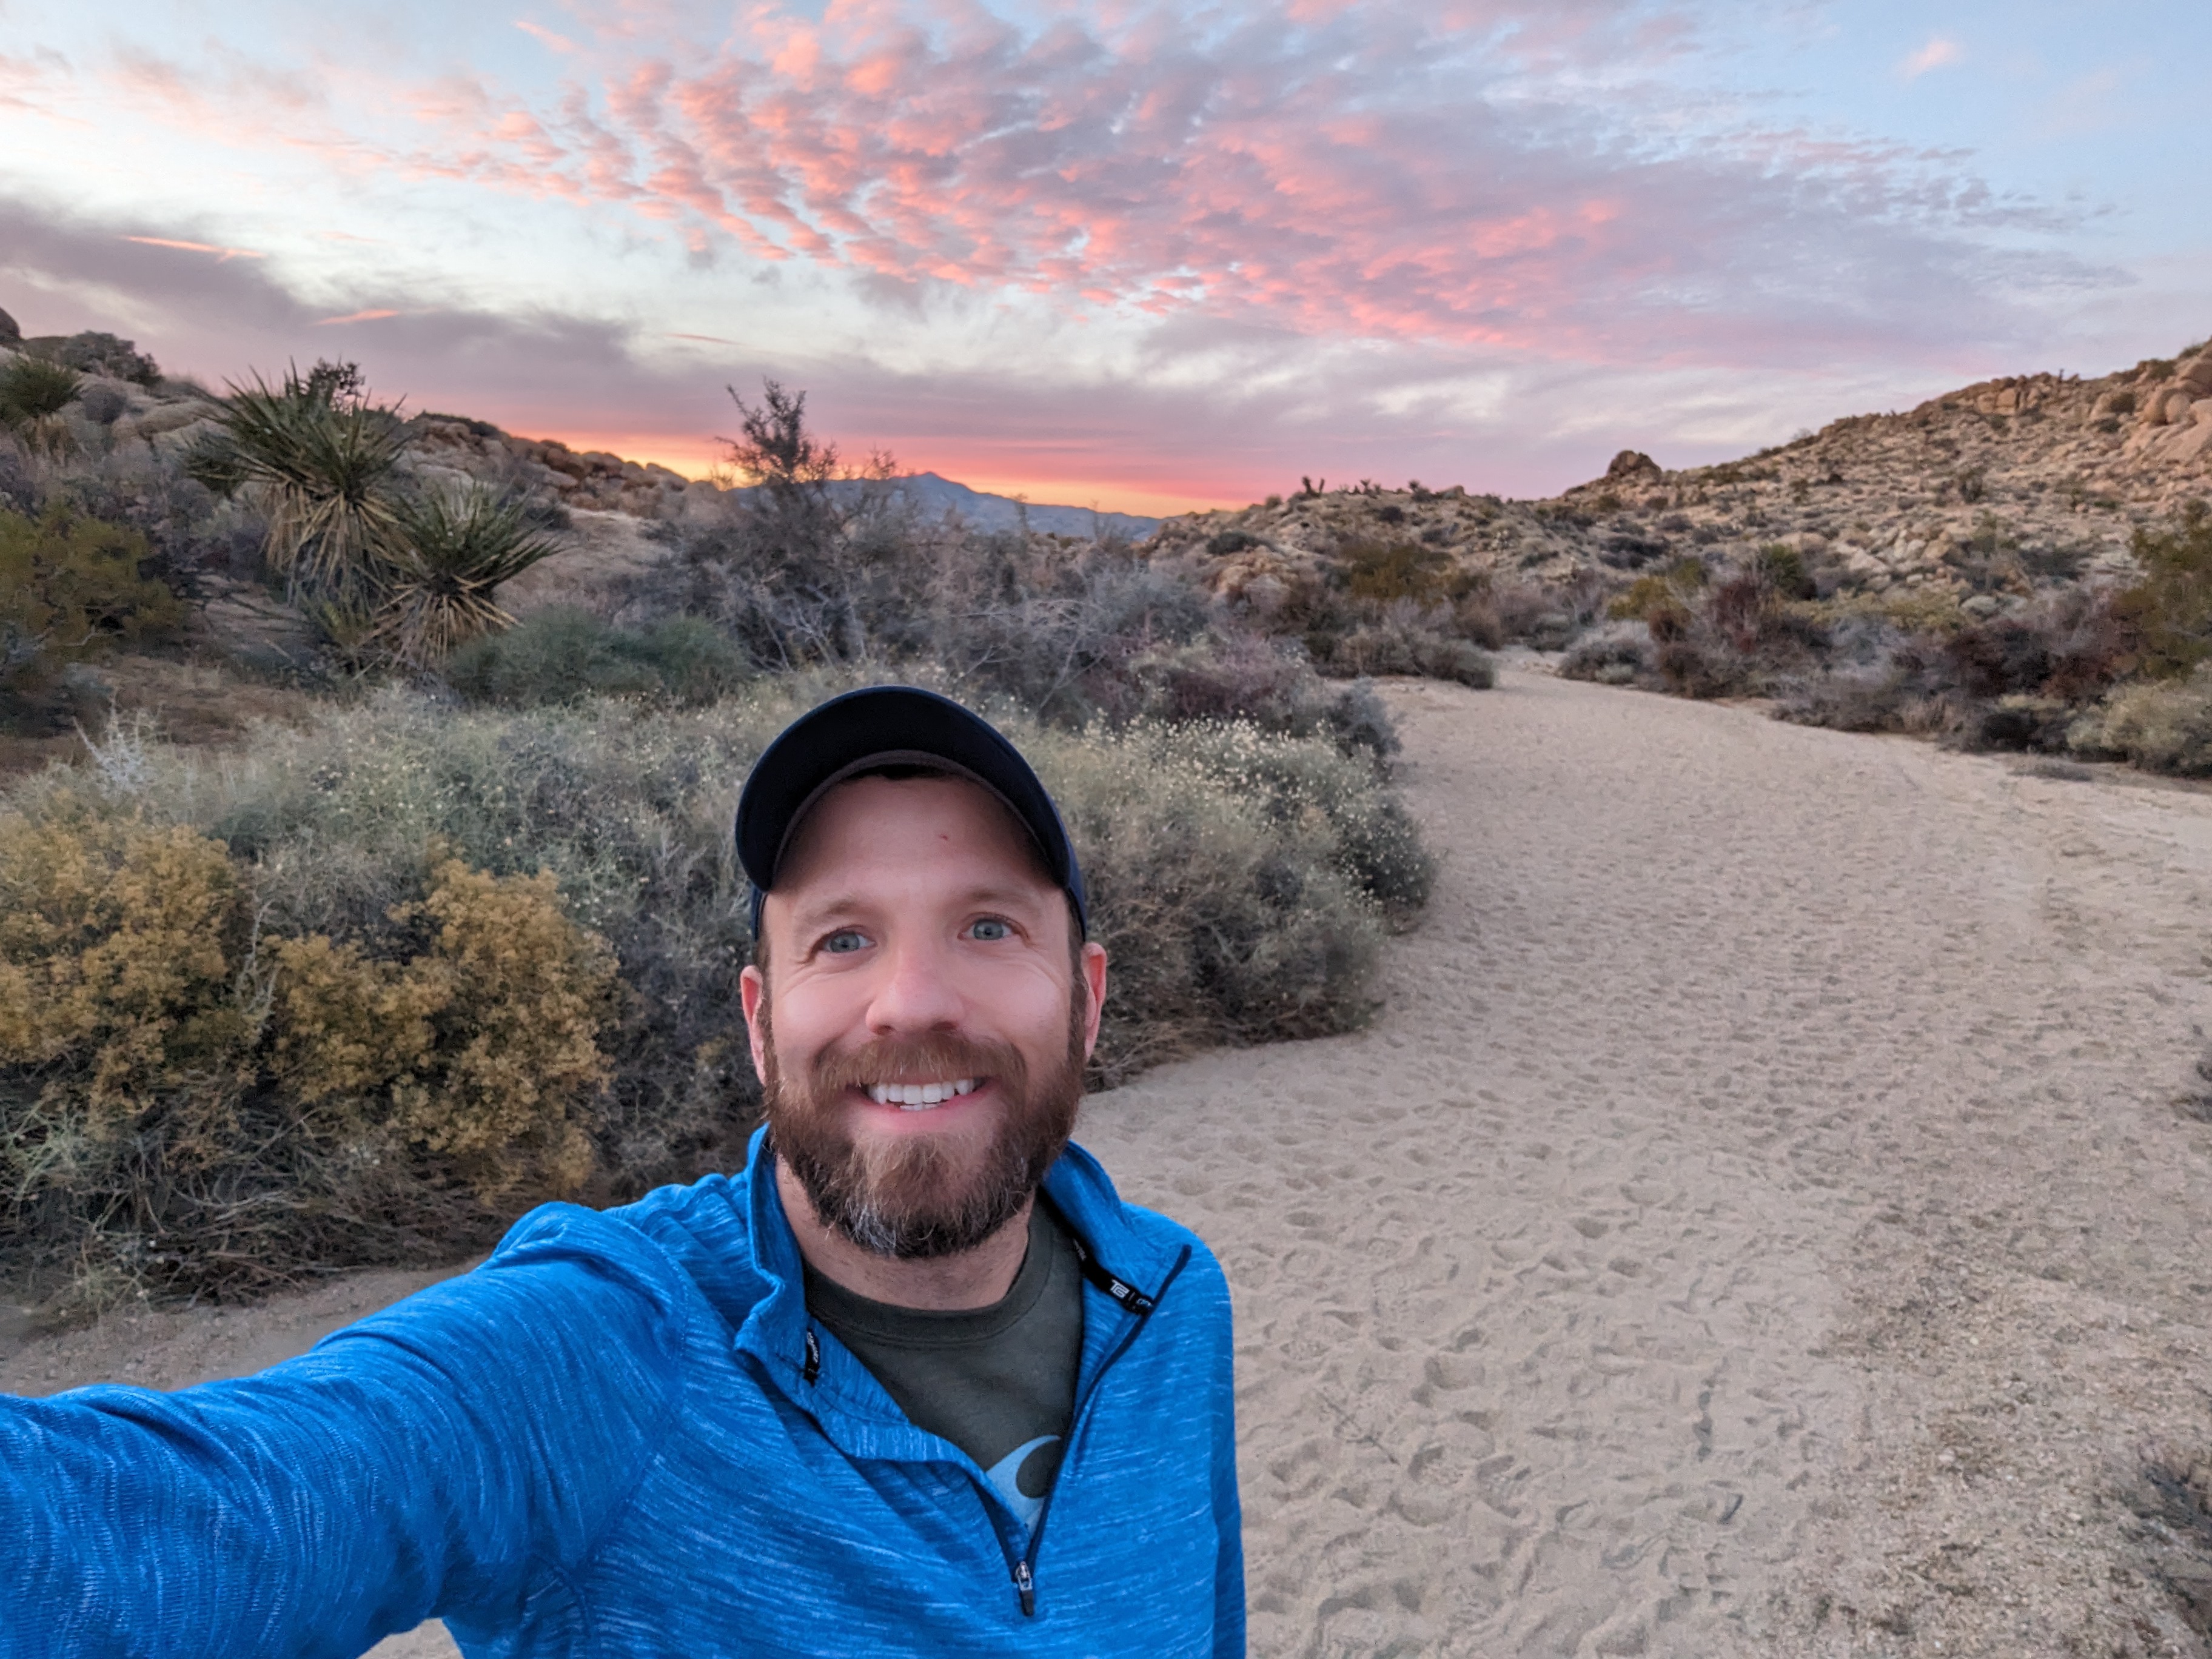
(1760, 1222)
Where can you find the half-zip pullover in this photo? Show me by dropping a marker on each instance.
(622, 1436)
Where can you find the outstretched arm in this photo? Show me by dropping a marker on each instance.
(454, 1454)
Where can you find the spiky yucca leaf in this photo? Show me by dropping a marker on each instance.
(451, 551)
(33, 393)
(324, 469)
(31, 389)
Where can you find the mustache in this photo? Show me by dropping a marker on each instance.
(926, 1058)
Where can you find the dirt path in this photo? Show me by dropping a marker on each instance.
(1760, 1223)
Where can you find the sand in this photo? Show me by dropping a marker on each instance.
(1760, 1220)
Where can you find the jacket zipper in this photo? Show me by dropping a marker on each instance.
(1025, 1568)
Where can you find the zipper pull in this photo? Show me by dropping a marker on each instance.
(1027, 1586)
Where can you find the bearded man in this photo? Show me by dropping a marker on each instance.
(916, 1382)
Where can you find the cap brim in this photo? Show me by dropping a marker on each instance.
(901, 720)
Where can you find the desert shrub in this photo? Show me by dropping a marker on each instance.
(563, 655)
(1479, 620)
(97, 353)
(1073, 638)
(1665, 593)
(71, 588)
(187, 529)
(1782, 570)
(2019, 720)
(2162, 727)
(1617, 653)
(189, 1102)
(1384, 571)
(1401, 644)
(2170, 607)
(1241, 883)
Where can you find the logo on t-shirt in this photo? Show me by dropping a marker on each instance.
(1024, 1477)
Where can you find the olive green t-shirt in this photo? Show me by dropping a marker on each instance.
(998, 1381)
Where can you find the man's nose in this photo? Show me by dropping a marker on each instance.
(916, 992)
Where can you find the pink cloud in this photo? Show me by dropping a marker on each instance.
(1401, 170)
(196, 247)
(545, 37)
(1938, 52)
(355, 317)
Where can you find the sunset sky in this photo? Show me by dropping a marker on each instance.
(1144, 256)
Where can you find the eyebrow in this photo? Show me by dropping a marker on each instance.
(810, 913)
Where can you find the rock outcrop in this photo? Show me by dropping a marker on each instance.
(2044, 475)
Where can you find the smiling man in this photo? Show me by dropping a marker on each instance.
(916, 1382)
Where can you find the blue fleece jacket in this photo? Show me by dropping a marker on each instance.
(622, 1436)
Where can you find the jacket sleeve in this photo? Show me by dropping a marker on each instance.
(1228, 1508)
(456, 1454)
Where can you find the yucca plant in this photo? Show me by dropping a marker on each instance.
(449, 551)
(323, 468)
(33, 393)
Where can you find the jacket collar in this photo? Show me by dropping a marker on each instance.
(777, 1333)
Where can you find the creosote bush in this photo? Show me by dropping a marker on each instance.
(369, 986)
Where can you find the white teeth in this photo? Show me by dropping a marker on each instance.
(920, 1097)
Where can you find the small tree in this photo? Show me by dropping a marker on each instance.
(790, 470)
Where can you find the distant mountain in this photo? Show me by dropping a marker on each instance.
(933, 497)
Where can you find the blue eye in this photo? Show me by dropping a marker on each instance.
(990, 928)
(844, 941)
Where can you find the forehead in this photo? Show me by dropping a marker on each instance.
(909, 828)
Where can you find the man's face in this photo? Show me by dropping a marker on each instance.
(923, 1050)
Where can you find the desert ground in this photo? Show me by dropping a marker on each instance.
(1763, 1219)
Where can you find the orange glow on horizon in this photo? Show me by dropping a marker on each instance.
(695, 458)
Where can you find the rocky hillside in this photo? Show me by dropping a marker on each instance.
(2048, 475)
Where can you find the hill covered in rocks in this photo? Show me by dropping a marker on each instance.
(2046, 476)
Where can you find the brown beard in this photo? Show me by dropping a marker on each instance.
(922, 1196)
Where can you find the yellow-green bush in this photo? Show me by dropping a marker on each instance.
(2170, 607)
(2161, 725)
(174, 1082)
(1662, 593)
(71, 588)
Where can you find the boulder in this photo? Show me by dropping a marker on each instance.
(10, 334)
(1630, 465)
(2195, 376)
(2163, 405)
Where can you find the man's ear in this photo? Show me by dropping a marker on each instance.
(1093, 990)
(752, 997)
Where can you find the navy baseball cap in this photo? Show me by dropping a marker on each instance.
(882, 726)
